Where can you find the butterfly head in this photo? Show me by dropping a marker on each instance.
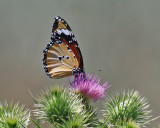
(77, 71)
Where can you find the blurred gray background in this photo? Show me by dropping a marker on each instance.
(120, 37)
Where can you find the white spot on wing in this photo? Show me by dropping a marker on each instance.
(59, 32)
(66, 32)
(57, 17)
(76, 45)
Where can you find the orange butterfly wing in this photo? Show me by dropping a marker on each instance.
(62, 56)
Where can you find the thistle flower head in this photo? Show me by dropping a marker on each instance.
(13, 116)
(128, 107)
(57, 105)
(89, 86)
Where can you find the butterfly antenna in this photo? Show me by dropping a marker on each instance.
(96, 71)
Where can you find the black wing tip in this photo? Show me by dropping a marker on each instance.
(57, 17)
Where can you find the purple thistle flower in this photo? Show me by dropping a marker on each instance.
(89, 86)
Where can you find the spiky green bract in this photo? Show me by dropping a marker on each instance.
(13, 116)
(123, 107)
(60, 107)
(132, 124)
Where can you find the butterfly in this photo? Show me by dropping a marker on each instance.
(62, 56)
